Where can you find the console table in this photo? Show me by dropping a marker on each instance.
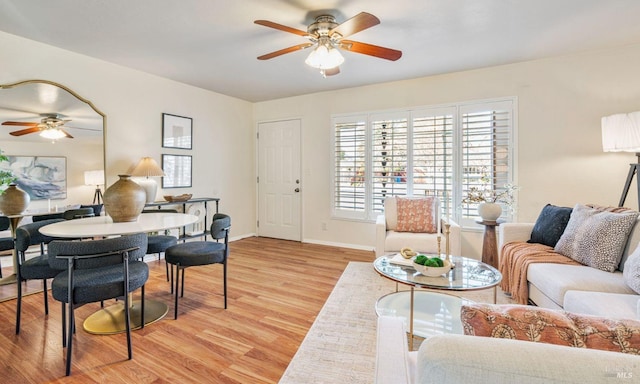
(195, 200)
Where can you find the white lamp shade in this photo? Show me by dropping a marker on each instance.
(94, 177)
(621, 132)
(147, 167)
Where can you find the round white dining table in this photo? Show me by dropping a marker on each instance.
(110, 320)
(104, 225)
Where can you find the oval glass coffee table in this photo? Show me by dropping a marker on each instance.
(428, 312)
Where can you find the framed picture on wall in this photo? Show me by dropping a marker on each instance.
(177, 171)
(176, 131)
(42, 177)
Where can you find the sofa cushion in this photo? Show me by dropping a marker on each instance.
(417, 214)
(631, 271)
(522, 322)
(605, 304)
(596, 238)
(420, 242)
(550, 225)
(633, 240)
(554, 280)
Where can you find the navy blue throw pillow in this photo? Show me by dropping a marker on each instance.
(550, 225)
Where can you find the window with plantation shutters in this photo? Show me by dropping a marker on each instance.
(439, 151)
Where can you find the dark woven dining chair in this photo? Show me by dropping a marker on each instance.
(78, 213)
(6, 243)
(35, 268)
(97, 270)
(194, 253)
(159, 243)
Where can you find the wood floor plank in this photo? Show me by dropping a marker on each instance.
(275, 290)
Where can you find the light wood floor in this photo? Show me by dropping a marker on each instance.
(276, 289)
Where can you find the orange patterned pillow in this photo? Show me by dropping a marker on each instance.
(522, 322)
(416, 215)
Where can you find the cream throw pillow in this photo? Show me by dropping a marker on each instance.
(596, 238)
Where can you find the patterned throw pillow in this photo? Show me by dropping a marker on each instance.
(631, 272)
(596, 238)
(522, 322)
(550, 225)
(417, 215)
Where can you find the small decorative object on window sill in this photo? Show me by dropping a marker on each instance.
(490, 199)
(14, 200)
(124, 200)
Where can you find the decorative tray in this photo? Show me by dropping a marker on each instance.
(177, 198)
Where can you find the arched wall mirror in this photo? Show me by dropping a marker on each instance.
(52, 170)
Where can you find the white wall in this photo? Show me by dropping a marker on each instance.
(134, 102)
(561, 101)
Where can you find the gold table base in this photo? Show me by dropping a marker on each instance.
(111, 320)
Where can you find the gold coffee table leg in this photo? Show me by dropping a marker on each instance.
(111, 320)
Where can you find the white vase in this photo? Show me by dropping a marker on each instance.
(489, 211)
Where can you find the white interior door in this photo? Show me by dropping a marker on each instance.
(279, 184)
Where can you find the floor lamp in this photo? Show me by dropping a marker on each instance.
(95, 178)
(621, 133)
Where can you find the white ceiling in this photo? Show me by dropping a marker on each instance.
(213, 44)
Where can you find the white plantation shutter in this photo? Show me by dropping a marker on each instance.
(432, 156)
(389, 155)
(486, 146)
(350, 159)
(441, 151)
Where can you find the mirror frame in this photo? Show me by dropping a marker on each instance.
(80, 98)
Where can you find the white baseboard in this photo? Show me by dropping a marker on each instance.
(341, 245)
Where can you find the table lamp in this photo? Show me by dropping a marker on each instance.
(95, 178)
(147, 167)
(621, 133)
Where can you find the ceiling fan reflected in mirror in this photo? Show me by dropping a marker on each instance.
(50, 127)
(328, 38)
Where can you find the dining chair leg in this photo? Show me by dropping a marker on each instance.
(46, 299)
(18, 307)
(64, 325)
(142, 307)
(224, 283)
(175, 309)
(182, 288)
(166, 265)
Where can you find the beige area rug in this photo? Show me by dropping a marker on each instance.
(340, 347)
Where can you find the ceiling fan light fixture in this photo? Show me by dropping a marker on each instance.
(52, 134)
(324, 57)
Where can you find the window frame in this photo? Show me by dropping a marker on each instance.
(412, 115)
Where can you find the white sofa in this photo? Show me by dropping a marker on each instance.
(460, 359)
(577, 288)
(388, 240)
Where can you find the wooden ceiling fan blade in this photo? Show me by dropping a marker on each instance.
(371, 50)
(332, 71)
(66, 133)
(284, 51)
(357, 23)
(19, 123)
(281, 27)
(25, 131)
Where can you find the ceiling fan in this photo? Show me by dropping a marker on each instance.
(328, 37)
(50, 127)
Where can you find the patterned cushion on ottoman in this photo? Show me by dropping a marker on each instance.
(522, 322)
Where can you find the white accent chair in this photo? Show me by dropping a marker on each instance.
(389, 241)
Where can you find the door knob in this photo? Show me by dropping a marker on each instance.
(297, 189)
